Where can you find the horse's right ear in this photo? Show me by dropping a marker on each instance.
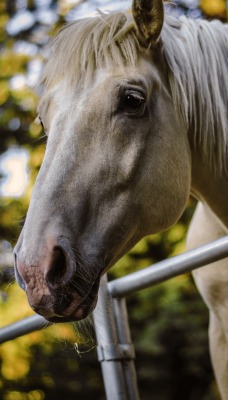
(149, 17)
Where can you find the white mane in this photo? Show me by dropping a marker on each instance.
(196, 53)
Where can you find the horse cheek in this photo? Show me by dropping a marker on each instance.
(165, 187)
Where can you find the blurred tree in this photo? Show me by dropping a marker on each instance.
(214, 8)
(169, 322)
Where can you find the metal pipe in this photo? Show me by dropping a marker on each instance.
(124, 337)
(169, 268)
(20, 328)
(109, 352)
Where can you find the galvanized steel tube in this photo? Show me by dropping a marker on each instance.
(20, 328)
(169, 268)
(124, 337)
(105, 328)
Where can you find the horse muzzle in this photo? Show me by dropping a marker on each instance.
(58, 287)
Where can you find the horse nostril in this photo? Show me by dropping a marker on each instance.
(18, 276)
(61, 269)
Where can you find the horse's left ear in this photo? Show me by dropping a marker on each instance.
(149, 17)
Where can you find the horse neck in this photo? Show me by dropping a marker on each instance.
(208, 131)
(196, 53)
(210, 186)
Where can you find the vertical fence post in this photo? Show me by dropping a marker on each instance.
(124, 337)
(115, 350)
(107, 346)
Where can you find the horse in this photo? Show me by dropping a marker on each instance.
(135, 112)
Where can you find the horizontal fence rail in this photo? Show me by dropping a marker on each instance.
(23, 327)
(169, 268)
(133, 282)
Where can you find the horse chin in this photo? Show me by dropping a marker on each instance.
(75, 311)
(79, 313)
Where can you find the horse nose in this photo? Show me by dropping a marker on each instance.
(56, 267)
(61, 266)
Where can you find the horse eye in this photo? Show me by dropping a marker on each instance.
(133, 102)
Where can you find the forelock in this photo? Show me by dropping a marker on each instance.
(82, 46)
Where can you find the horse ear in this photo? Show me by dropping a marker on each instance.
(149, 17)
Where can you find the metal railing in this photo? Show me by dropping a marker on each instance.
(114, 347)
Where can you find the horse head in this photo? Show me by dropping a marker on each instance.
(117, 162)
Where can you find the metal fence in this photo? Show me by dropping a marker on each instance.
(114, 347)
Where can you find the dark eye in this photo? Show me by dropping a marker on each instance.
(133, 102)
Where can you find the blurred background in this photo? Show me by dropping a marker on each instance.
(168, 322)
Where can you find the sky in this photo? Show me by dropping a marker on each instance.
(14, 171)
